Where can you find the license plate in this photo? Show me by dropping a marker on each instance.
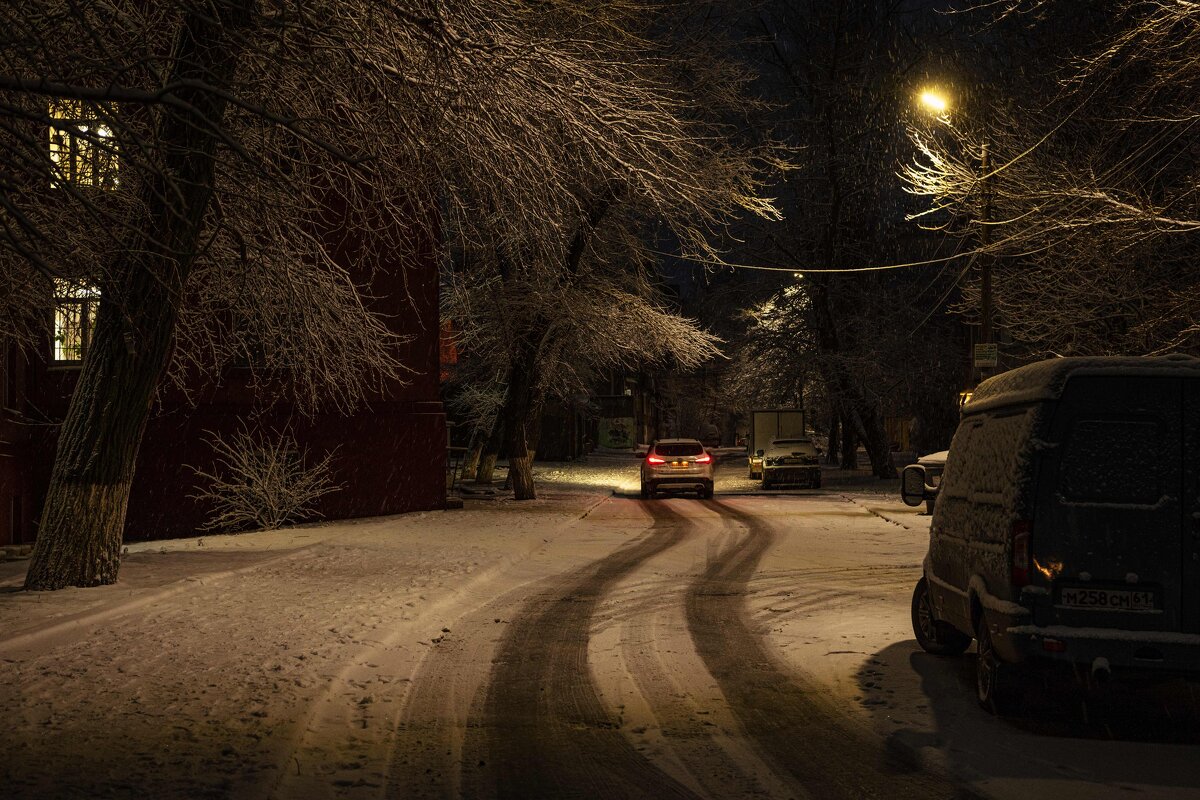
(1111, 599)
(680, 464)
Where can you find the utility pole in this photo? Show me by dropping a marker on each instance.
(986, 338)
(984, 356)
(985, 240)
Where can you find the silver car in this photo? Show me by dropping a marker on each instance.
(792, 460)
(677, 465)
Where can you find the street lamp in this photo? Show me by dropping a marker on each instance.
(934, 101)
(937, 103)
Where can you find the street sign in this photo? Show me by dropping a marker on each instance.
(986, 355)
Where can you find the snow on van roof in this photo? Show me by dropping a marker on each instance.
(1045, 379)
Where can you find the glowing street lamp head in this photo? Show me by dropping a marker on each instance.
(934, 101)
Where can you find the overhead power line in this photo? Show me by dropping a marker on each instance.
(717, 263)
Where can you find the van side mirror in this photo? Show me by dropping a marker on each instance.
(912, 485)
(759, 452)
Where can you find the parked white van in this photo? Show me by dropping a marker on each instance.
(1067, 522)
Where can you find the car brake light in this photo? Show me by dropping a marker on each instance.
(653, 459)
(1021, 530)
(704, 459)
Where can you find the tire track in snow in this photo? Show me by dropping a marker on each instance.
(666, 696)
(543, 731)
(788, 717)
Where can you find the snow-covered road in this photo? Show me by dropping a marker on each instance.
(577, 646)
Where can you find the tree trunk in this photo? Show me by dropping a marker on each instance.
(79, 536)
(835, 437)
(860, 419)
(491, 450)
(470, 464)
(521, 426)
(522, 412)
(875, 439)
(861, 423)
(849, 443)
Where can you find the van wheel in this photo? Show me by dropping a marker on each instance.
(991, 674)
(934, 636)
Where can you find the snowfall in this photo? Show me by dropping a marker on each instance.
(317, 661)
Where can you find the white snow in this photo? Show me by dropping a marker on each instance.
(280, 664)
(993, 603)
(1044, 380)
(1065, 632)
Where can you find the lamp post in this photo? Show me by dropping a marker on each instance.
(985, 240)
(937, 104)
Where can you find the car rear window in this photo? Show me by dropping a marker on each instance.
(679, 449)
(1112, 461)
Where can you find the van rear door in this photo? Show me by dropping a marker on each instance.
(1108, 532)
(1190, 556)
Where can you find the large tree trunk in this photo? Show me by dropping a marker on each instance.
(849, 443)
(491, 450)
(470, 464)
(79, 536)
(875, 439)
(835, 436)
(859, 419)
(522, 412)
(522, 417)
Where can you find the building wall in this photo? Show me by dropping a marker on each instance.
(389, 456)
(16, 487)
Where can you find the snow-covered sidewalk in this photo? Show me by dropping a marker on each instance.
(201, 671)
(347, 659)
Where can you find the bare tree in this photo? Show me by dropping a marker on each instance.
(843, 72)
(549, 309)
(1093, 187)
(230, 148)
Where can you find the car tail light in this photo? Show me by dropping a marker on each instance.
(1021, 530)
(653, 459)
(704, 459)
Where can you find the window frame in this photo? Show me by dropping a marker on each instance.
(82, 148)
(85, 298)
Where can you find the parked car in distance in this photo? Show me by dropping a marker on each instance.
(791, 460)
(767, 424)
(1067, 524)
(919, 482)
(677, 465)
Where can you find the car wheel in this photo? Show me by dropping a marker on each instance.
(991, 674)
(707, 492)
(766, 484)
(645, 493)
(934, 636)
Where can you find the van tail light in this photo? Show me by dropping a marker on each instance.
(704, 459)
(653, 459)
(1021, 531)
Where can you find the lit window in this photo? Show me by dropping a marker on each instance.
(82, 147)
(74, 319)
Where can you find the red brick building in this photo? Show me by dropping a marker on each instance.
(389, 456)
